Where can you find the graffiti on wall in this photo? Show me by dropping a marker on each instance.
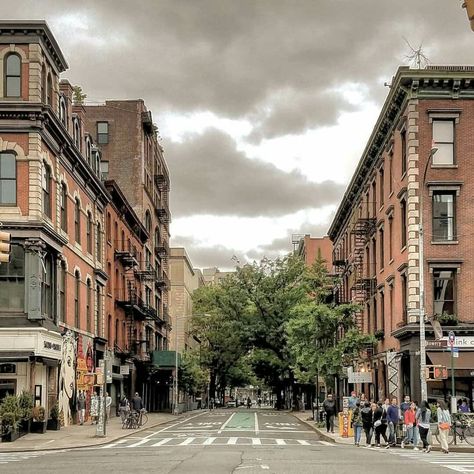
(67, 377)
(85, 368)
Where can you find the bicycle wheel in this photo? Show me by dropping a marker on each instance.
(467, 435)
(144, 419)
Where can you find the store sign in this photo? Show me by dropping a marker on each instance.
(345, 417)
(360, 377)
(441, 344)
(462, 341)
(124, 370)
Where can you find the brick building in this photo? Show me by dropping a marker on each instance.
(133, 158)
(314, 248)
(375, 230)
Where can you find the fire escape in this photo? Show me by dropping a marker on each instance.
(363, 284)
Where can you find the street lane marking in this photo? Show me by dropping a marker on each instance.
(256, 441)
(226, 423)
(256, 423)
(209, 441)
(327, 443)
(112, 445)
(232, 441)
(280, 441)
(175, 424)
(162, 442)
(138, 443)
(303, 442)
(187, 441)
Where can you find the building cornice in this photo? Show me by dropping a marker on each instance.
(433, 82)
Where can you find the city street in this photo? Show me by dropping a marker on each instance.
(230, 441)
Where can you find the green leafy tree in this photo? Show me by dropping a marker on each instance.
(78, 97)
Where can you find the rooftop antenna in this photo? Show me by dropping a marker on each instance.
(417, 58)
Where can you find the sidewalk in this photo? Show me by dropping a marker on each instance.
(77, 436)
(306, 417)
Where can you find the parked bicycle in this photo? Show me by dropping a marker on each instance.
(462, 429)
(135, 419)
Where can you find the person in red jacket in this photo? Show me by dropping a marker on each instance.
(409, 420)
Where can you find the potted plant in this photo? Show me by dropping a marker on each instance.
(54, 422)
(446, 319)
(25, 403)
(38, 425)
(10, 414)
(379, 334)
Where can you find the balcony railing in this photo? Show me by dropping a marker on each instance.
(163, 215)
(161, 181)
(146, 274)
(162, 249)
(127, 257)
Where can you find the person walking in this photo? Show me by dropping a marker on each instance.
(444, 424)
(379, 417)
(124, 408)
(423, 417)
(367, 423)
(329, 407)
(393, 418)
(353, 400)
(357, 423)
(108, 405)
(464, 406)
(416, 432)
(409, 421)
(81, 407)
(249, 403)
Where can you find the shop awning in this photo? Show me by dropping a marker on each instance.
(464, 361)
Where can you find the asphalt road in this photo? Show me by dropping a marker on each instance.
(233, 441)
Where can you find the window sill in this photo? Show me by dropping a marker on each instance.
(445, 166)
(444, 242)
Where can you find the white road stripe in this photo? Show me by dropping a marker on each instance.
(326, 443)
(138, 443)
(280, 441)
(173, 425)
(187, 441)
(209, 441)
(303, 442)
(256, 441)
(226, 423)
(256, 423)
(112, 445)
(162, 442)
(232, 441)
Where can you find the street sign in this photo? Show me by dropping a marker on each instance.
(360, 377)
(124, 370)
(455, 353)
(439, 344)
(451, 338)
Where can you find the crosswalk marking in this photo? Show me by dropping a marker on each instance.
(280, 441)
(209, 441)
(138, 443)
(5, 458)
(256, 441)
(303, 442)
(232, 441)
(162, 442)
(187, 441)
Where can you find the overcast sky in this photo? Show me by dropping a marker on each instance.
(263, 106)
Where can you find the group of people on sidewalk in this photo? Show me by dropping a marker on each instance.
(387, 420)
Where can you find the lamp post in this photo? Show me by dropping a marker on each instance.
(421, 270)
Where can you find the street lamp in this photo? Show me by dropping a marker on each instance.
(421, 270)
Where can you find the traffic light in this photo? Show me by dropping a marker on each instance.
(5, 247)
(469, 6)
(436, 372)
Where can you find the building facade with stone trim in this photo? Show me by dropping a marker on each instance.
(376, 230)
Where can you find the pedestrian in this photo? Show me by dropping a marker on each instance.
(124, 408)
(94, 408)
(329, 407)
(353, 400)
(137, 403)
(357, 423)
(405, 405)
(108, 405)
(81, 407)
(393, 418)
(362, 399)
(409, 421)
(379, 418)
(464, 406)
(366, 414)
(416, 432)
(386, 404)
(444, 424)
(423, 417)
(249, 403)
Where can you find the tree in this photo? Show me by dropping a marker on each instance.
(78, 97)
(192, 376)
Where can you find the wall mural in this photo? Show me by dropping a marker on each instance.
(85, 368)
(67, 377)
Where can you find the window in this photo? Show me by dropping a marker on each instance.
(374, 198)
(89, 232)
(62, 292)
(49, 91)
(116, 234)
(99, 243)
(77, 221)
(147, 259)
(382, 253)
(390, 237)
(43, 84)
(443, 137)
(88, 151)
(77, 292)
(12, 281)
(7, 178)
(109, 227)
(104, 170)
(89, 306)
(404, 296)
(109, 330)
(148, 221)
(390, 173)
(102, 133)
(116, 332)
(403, 219)
(63, 111)
(403, 138)
(46, 185)
(444, 290)
(444, 223)
(99, 331)
(109, 281)
(373, 269)
(123, 240)
(12, 81)
(76, 133)
(381, 186)
(46, 288)
(382, 310)
(157, 237)
(63, 204)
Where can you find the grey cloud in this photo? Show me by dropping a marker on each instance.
(211, 177)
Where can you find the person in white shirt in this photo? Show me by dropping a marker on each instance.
(108, 404)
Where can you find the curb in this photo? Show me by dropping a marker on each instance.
(94, 445)
(322, 435)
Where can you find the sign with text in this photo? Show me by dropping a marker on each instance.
(345, 417)
(124, 370)
(462, 341)
(440, 344)
(360, 377)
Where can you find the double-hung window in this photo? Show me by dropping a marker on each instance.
(444, 291)
(443, 138)
(444, 216)
(12, 81)
(7, 179)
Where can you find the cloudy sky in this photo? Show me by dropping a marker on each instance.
(263, 106)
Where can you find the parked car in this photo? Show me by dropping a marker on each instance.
(231, 404)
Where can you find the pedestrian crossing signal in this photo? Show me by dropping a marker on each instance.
(5, 247)
(436, 372)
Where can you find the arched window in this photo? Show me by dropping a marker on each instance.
(7, 178)
(99, 243)
(12, 75)
(89, 232)
(77, 300)
(63, 111)
(77, 221)
(62, 292)
(46, 185)
(43, 84)
(76, 133)
(63, 204)
(148, 221)
(49, 91)
(89, 306)
(88, 151)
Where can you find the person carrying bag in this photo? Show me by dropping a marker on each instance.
(444, 425)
